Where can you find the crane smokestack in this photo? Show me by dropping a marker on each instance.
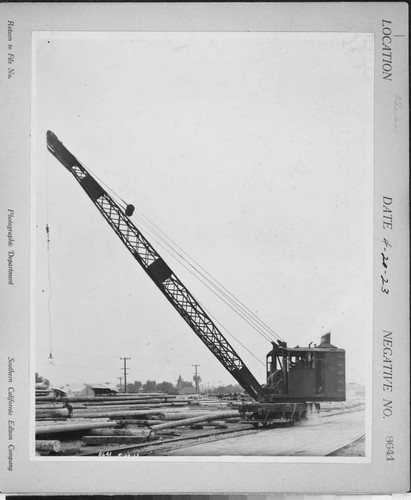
(326, 340)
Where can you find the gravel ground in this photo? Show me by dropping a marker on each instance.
(315, 436)
(355, 449)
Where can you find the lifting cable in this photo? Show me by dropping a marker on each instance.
(232, 335)
(48, 264)
(220, 294)
(202, 275)
(240, 308)
(237, 306)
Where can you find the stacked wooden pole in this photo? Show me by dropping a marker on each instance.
(43, 445)
(71, 427)
(218, 415)
(121, 419)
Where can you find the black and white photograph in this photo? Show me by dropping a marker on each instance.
(210, 254)
(241, 189)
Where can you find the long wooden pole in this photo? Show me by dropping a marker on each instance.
(70, 427)
(141, 421)
(183, 415)
(124, 397)
(97, 440)
(218, 415)
(42, 445)
(120, 432)
(98, 414)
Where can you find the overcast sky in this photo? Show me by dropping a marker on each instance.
(252, 151)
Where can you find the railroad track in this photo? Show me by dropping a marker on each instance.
(162, 446)
(349, 410)
(159, 447)
(347, 449)
(186, 442)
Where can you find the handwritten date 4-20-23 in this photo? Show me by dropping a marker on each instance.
(385, 259)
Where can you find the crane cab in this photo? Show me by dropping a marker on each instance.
(313, 374)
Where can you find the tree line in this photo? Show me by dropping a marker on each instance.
(41, 380)
(153, 386)
(180, 386)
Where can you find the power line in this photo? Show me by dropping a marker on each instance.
(196, 377)
(232, 335)
(247, 316)
(77, 354)
(259, 325)
(215, 287)
(239, 305)
(71, 365)
(125, 373)
(120, 378)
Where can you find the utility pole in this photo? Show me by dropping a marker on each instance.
(196, 377)
(120, 378)
(125, 373)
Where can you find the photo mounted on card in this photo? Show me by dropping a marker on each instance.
(206, 251)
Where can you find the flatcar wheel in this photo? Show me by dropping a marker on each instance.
(255, 420)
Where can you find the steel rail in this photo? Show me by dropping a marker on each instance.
(158, 443)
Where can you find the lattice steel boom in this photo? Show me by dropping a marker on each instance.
(164, 278)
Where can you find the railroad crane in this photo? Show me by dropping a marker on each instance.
(297, 377)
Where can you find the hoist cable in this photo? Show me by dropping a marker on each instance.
(232, 335)
(215, 283)
(48, 263)
(212, 316)
(270, 331)
(236, 305)
(219, 295)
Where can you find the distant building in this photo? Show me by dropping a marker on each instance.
(187, 390)
(58, 393)
(355, 391)
(103, 390)
(81, 390)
